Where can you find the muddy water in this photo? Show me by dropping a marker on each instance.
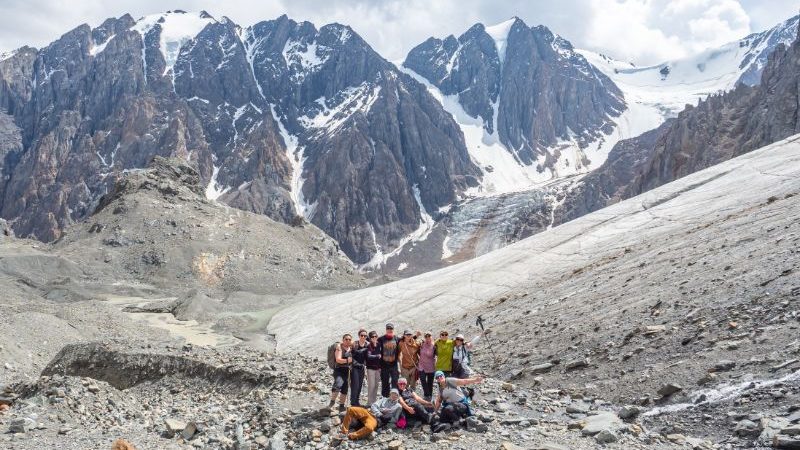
(192, 331)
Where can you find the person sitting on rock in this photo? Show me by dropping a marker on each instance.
(452, 404)
(461, 355)
(341, 373)
(414, 406)
(384, 411)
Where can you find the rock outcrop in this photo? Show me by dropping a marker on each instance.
(527, 84)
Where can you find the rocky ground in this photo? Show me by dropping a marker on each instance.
(181, 396)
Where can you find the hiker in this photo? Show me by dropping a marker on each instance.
(373, 367)
(444, 353)
(452, 404)
(384, 411)
(409, 357)
(427, 365)
(357, 371)
(462, 357)
(414, 406)
(341, 373)
(389, 373)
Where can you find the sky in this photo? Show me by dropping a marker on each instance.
(641, 31)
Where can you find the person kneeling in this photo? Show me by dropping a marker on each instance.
(382, 412)
(452, 404)
(413, 405)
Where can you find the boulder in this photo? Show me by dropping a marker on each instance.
(174, 426)
(669, 389)
(628, 412)
(602, 421)
(541, 368)
(577, 364)
(22, 425)
(723, 366)
(785, 442)
(606, 437)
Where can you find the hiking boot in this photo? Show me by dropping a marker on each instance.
(441, 427)
(342, 408)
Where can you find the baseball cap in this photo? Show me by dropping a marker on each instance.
(390, 326)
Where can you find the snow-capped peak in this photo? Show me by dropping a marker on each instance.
(499, 33)
(177, 28)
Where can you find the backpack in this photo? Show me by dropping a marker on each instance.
(332, 355)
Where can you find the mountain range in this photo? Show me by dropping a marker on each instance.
(472, 143)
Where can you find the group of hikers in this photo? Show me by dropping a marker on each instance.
(398, 364)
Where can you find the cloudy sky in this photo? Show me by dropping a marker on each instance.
(642, 31)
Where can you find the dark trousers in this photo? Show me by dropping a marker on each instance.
(340, 380)
(420, 413)
(389, 371)
(453, 412)
(356, 383)
(426, 380)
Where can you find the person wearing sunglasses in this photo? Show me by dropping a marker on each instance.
(409, 357)
(360, 348)
(414, 406)
(373, 363)
(427, 365)
(452, 404)
(341, 372)
(444, 353)
(462, 355)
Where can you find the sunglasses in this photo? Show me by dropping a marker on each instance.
(348, 339)
(402, 384)
(443, 334)
(362, 335)
(440, 377)
(373, 337)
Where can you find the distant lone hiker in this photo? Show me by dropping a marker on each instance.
(343, 358)
(389, 373)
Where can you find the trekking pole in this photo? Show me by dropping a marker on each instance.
(479, 322)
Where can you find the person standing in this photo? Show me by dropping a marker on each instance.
(357, 371)
(461, 356)
(341, 372)
(409, 357)
(373, 367)
(444, 353)
(389, 372)
(427, 365)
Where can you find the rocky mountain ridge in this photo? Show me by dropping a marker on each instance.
(271, 116)
(531, 93)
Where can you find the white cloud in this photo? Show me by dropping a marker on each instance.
(649, 31)
(645, 31)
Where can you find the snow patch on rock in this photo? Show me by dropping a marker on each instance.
(177, 28)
